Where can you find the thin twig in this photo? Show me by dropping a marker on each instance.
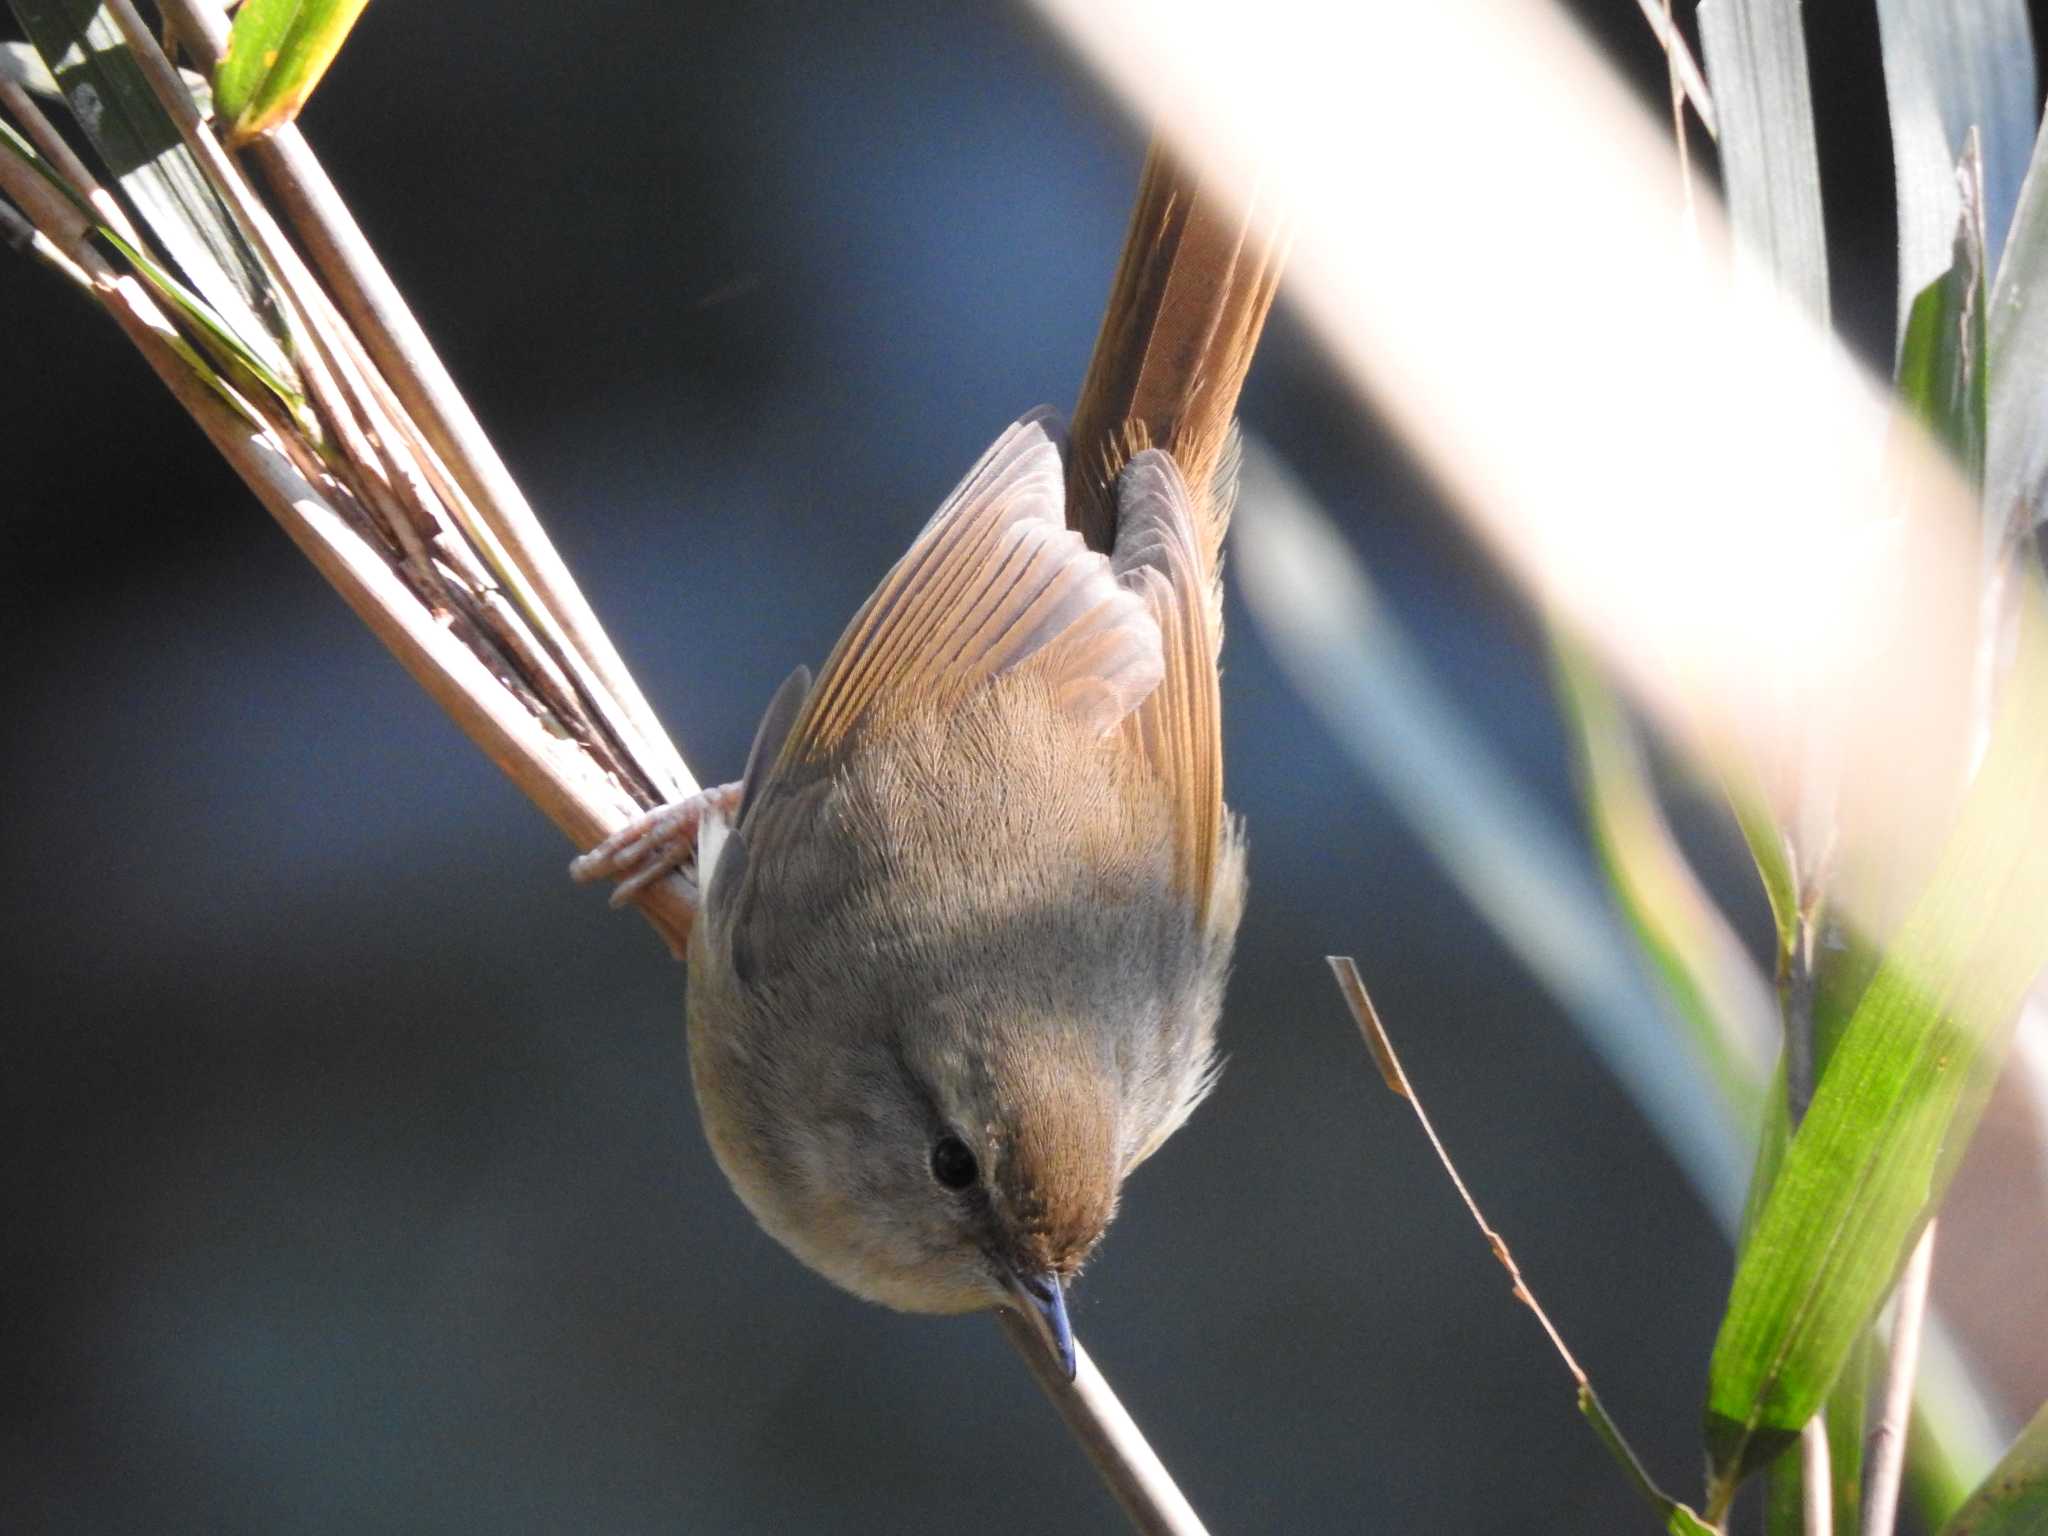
(58, 219)
(1796, 990)
(1676, 1516)
(1679, 138)
(1113, 1442)
(1902, 1370)
(1684, 69)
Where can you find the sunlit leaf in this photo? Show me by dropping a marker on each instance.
(276, 55)
(1941, 361)
(1949, 68)
(1755, 57)
(2016, 446)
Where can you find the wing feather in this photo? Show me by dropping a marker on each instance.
(994, 580)
(1163, 555)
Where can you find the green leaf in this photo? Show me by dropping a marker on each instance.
(276, 55)
(1773, 1137)
(1755, 57)
(140, 148)
(1769, 849)
(2013, 1500)
(1949, 68)
(1941, 361)
(1896, 1106)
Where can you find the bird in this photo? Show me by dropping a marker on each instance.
(965, 920)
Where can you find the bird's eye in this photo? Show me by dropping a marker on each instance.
(953, 1164)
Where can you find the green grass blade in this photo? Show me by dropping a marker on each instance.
(140, 149)
(1897, 1104)
(1773, 1137)
(1755, 57)
(1678, 1519)
(1769, 848)
(1949, 67)
(276, 55)
(1942, 377)
(2013, 1500)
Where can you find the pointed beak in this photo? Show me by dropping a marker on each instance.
(1044, 1305)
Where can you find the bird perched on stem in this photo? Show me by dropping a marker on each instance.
(965, 918)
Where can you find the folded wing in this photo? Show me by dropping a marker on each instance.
(994, 580)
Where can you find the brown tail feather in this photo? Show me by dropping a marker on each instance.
(1191, 294)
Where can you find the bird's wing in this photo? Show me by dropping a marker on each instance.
(1162, 556)
(994, 580)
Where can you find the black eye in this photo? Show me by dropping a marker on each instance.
(952, 1164)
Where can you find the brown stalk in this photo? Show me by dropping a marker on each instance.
(520, 552)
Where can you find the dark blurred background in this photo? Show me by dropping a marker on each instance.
(352, 1177)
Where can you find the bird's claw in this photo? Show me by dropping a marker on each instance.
(654, 844)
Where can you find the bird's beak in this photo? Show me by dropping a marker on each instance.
(1044, 1304)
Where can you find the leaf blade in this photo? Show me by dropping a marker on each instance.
(1949, 67)
(2016, 443)
(1755, 57)
(277, 53)
(1893, 1113)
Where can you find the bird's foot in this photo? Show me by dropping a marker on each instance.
(653, 844)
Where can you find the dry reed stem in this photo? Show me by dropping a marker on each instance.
(1135, 1476)
(1676, 1516)
(1902, 1370)
(21, 106)
(1817, 1479)
(365, 294)
(1685, 70)
(568, 786)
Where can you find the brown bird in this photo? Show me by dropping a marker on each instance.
(965, 918)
